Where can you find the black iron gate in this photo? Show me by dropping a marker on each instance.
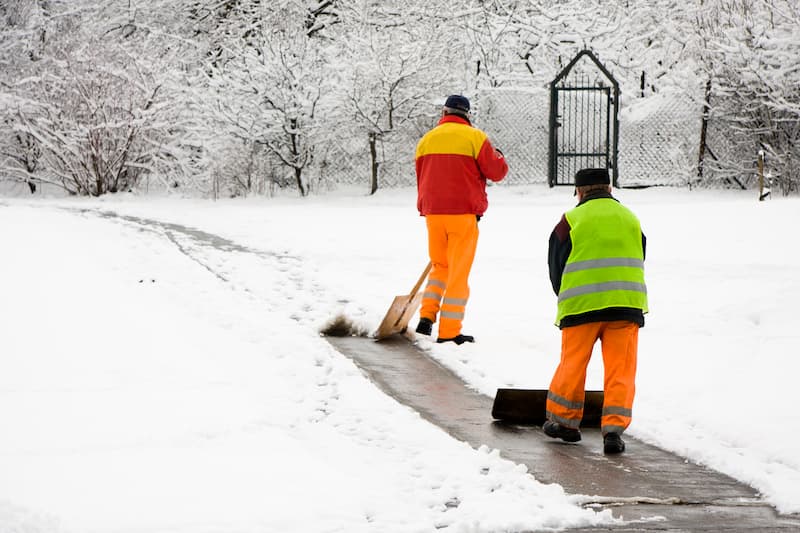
(584, 126)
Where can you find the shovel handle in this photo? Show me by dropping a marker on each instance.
(420, 281)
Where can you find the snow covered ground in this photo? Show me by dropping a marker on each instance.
(155, 379)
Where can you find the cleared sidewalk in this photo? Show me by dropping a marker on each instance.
(651, 489)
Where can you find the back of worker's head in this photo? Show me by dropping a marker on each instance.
(456, 104)
(592, 179)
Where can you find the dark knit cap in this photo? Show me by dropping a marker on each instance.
(456, 101)
(592, 176)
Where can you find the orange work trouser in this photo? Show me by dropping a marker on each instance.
(619, 340)
(452, 240)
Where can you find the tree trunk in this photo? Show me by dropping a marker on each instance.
(298, 171)
(704, 130)
(373, 155)
(298, 176)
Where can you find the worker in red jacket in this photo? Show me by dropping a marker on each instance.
(453, 162)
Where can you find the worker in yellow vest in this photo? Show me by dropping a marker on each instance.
(453, 162)
(596, 259)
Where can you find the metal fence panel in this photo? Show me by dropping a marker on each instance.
(658, 143)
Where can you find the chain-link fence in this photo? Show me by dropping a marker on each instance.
(349, 162)
(736, 137)
(516, 121)
(658, 144)
(659, 141)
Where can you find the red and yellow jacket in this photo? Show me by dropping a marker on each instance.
(453, 162)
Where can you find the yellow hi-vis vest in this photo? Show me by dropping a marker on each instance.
(606, 265)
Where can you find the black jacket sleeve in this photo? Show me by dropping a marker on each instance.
(558, 252)
(644, 247)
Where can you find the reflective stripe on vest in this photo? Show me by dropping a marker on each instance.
(606, 265)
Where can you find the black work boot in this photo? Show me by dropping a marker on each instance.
(557, 431)
(613, 443)
(458, 339)
(425, 326)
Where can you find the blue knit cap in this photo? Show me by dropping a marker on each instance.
(456, 101)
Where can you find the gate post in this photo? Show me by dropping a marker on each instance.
(552, 142)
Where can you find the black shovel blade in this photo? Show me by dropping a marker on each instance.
(528, 406)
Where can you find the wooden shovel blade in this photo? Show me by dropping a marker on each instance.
(528, 406)
(399, 315)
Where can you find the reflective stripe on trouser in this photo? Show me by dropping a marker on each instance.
(619, 341)
(452, 240)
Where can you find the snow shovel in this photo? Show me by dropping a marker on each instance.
(401, 310)
(528, 406)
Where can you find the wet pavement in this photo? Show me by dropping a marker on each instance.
(651, 489)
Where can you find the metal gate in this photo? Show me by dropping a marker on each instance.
(584, 123)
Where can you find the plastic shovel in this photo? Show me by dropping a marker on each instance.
(528, 406)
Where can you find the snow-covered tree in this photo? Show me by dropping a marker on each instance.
(98, 96)
(268, 87)
(395, 58)
(755, 88)
(243, 95)
(24, 34)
